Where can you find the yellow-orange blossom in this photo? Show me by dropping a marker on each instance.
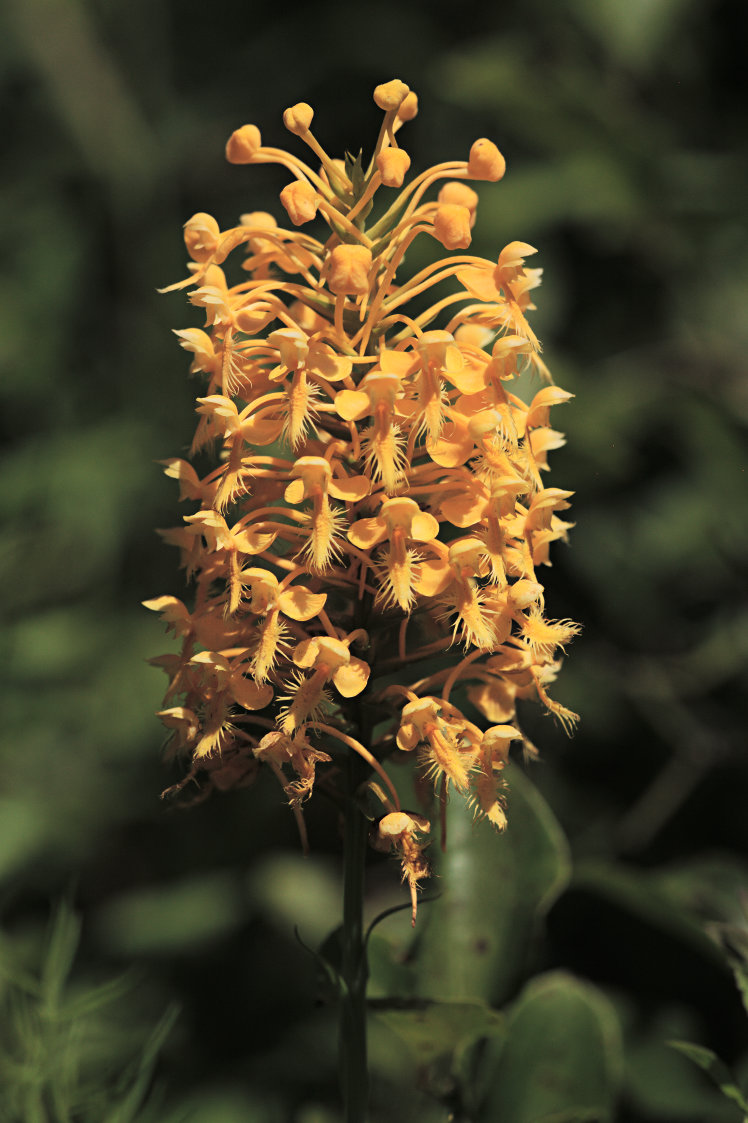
(380, 489)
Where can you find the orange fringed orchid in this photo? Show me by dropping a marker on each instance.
(378, 496)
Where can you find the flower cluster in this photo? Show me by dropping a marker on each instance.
(379, 495)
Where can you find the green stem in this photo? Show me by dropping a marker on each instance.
(354, 1077)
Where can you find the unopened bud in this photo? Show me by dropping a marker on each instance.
(349, 270)
(452, 226)
(243, 145)
(409, 107)
(393, 163)
(298, 118)
(391, 95)
(300, 200)
(485, 161)
(459, 194)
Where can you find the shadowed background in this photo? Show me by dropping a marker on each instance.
(623, 125)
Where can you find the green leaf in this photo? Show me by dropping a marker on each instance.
(495, 887)
(561, 1061)
(433, 1030)
(140, 1079)
(61, 949)
(733, 939)
(662, 1083)
(715, 1068)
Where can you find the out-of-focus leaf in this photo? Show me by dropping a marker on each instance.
(433, 1030)
(638, 892)
(138, 1081)
(633, 32)
(23, 831)
(660, 1082)
(171, 918)
(63, 944)
(494, 890)
(561, 1061)
(715, 1068)
(298, 893)
(225, 1105)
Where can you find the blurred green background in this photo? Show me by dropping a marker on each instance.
(624, 127)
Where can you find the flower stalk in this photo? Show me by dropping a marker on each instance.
(354, 1074)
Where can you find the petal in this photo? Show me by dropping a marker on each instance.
(466, 508)
(480, 283)
(542, 402)
(368, 532)
(349, 488)
(397, 362)
(249, 694)
(407, 736)
(453, 360)
(434, 577)
(262, 430)
(352, 405)
(181, 719)
(352, 678)
(216, 405)
(471, 379)
(496, 701)
(294, 493)
(305, 653)
(424, 527)
(323, 361)
(251, 541)
(453, 448)
(300, 604)
(172, 608)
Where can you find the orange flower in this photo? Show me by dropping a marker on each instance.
(359, 423)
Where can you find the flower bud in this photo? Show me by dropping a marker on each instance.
(201, 234)
(298, 118)
(485, 161)
(391, 95)
(393, 163)
(349, 270)
(409, 107)
(300, 200)
(452, 226)
(459, 194)
(243, 145)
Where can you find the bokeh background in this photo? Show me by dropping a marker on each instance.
(624, 127)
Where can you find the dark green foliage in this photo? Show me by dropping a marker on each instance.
(62, 1054)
